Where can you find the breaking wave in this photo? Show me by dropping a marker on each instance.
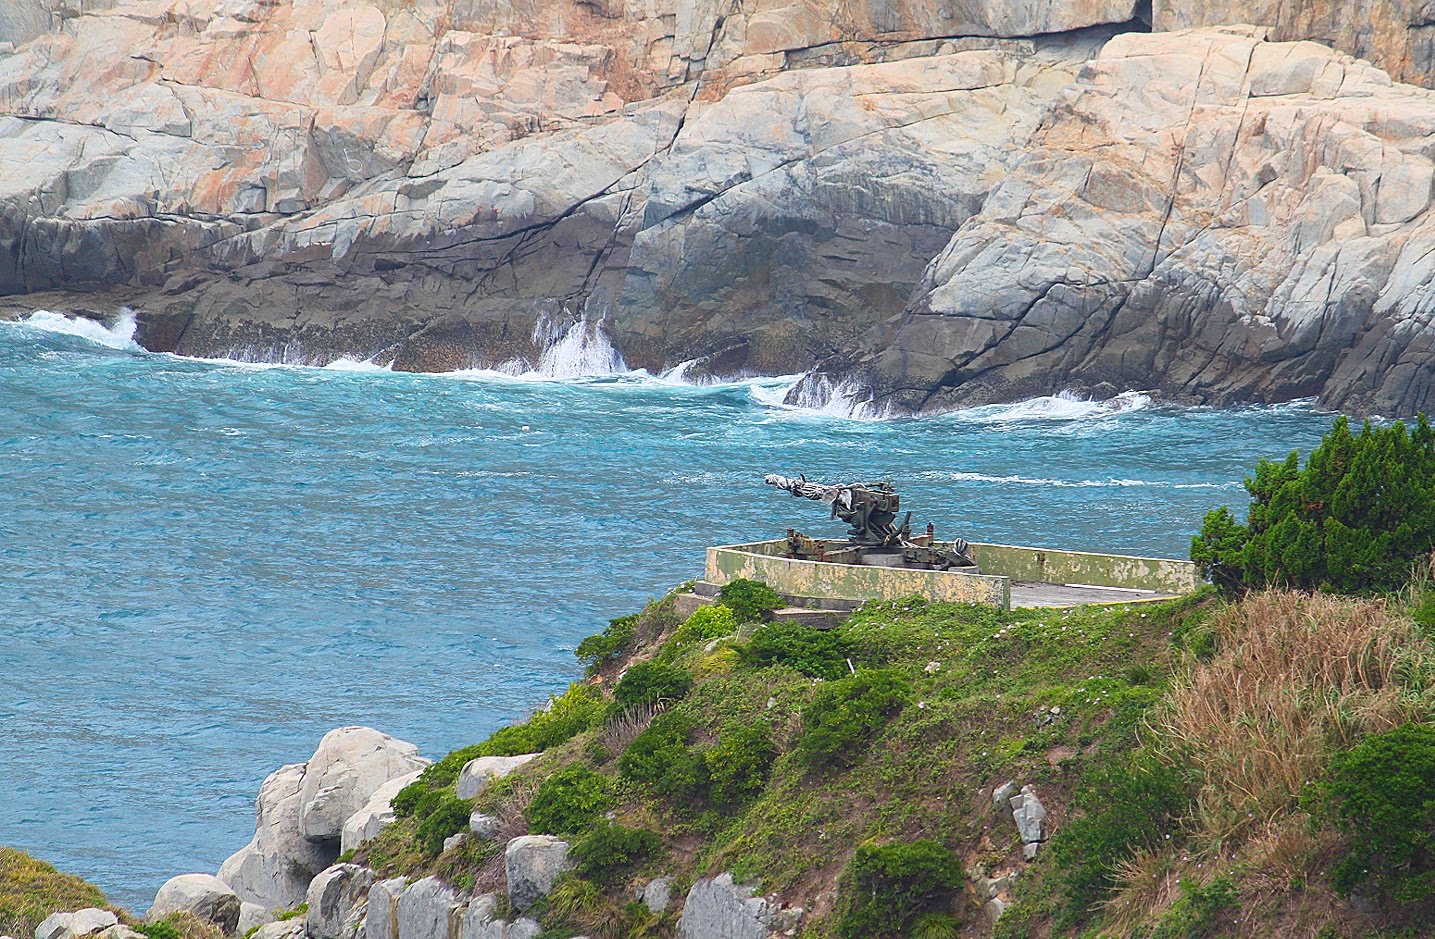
(1108, 483)
(1062, 406)
(121, 335)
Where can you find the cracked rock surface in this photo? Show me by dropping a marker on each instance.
(957, 203)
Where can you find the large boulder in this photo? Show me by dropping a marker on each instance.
(79, 923)
(273, 871)
(532, 864)
(374, 815)
(718, 908)
(337, 900)
(287, 929)
(347, 769)
(478, 773)
(204, 895)
(429, 909)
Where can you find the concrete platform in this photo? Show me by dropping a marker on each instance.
(1030, 593)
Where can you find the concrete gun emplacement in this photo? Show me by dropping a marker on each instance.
(870, 511)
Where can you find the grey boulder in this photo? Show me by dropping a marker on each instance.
(204, 895)
(717, 908)
(429, 909)
(480, 772)
(374, 815)
(337, 899)
(273, 871)
(532, 864)
(349, 766)
(252, 916)
(79, 923)
(382, 918)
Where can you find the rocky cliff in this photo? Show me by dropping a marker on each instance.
(950, 202)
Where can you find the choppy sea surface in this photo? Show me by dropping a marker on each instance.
(205, 565)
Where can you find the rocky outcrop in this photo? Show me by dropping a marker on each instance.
(374, 815)
(337, 901)
(438, 184)
(429, 909)
(202, 895)
(1205, 214)
(303, 808)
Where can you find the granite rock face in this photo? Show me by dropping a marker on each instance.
(995, 204)
(717, 908)
(347, 769)
(1206, 214)
(205, 896)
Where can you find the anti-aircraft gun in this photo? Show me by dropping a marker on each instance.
(870, 510)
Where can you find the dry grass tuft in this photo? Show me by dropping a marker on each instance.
(1296, 678)
(624, 728)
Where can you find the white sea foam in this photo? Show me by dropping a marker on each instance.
(1044, 481)
(1062, 406)
(357, 365)
(581, 350)
(119, 336)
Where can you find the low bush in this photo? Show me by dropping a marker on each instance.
(709, 622)
(751, 601)
(739, 763)
(844, 714)
(651, 682)
(889, 887)
(446, 815)
(815, 652)
(568, 801)
(1129, 803)
(661, 759)
(1382, 793)
(1352, 520)
(597, 651)
(607, 850)
(1196, 912)
(579, 708)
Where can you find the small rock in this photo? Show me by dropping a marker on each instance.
(524, 929)
(289, 929)
(382, 919)
(717, 907)
(479, 919)
(484, 827)
(119, 931)
(1002, 794)
(658, 894)
(79, 923)
(1028, 813)
(337, 899)
(204, 895)
(252, 916)
(1030, 849)
(429, 909)
(478, 773)
(532, 864)
(994, 909)
(454, 840)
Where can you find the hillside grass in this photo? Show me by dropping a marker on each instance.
(30, 890)
(1175, 746)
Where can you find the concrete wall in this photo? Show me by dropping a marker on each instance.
(1080, 567)
(762, 561)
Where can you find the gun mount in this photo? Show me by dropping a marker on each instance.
(874, 537)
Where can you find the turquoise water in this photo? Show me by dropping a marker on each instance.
(205, 566)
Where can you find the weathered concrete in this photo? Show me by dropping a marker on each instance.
(1053, 566)
(761, 561)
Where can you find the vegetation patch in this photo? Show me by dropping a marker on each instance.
(888, 887)
(751, 601)
(30, 890)
(569, 800)
(845, 714)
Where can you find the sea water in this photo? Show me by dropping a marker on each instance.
(204, 566)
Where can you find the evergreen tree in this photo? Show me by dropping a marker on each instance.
(1352, 521)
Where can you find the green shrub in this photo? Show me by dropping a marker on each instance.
(162, 929)
(446, 815)
(437, 775)
(1129, 803)
(579, 708)
(845, 714)
(888, 887)
(651, 682)
(709, 622)
(607, 850)
(661, 759)
(1352, 520)
(937, 926)
(816, 652)
(568, 801)
(751, 601)
(1196, 912)
(598, 651)
(739, 763)
(1382, 792)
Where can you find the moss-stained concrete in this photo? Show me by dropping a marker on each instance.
(847, 581)
(1049, 565)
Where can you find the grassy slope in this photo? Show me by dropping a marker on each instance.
(1050, 698)
(31, 890)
